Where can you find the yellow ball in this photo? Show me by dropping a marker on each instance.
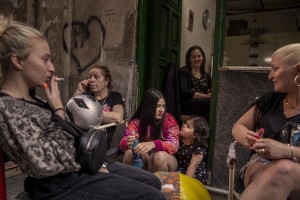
(177, 186)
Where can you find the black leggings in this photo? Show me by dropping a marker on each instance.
(198, 107)
(123, 182)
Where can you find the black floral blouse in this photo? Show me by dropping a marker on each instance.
(184, 156)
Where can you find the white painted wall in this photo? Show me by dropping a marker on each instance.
(199, 36)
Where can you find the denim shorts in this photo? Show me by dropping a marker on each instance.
(253, 159)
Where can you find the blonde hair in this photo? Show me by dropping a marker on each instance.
(290, 53)
(15, 38)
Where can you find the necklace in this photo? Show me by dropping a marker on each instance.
(289, 105)
(293, 108)
(102, 102)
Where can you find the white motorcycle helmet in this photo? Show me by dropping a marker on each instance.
(84, 111)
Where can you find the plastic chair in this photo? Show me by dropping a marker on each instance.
(2, 177)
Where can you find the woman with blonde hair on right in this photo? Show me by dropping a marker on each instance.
(273, 171)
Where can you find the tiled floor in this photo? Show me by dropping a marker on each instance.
(14, 186)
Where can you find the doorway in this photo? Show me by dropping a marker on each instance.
(158, 41)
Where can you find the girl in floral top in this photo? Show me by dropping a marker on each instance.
(157, 131)
(192, 149)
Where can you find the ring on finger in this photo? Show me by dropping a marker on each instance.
(261, 151)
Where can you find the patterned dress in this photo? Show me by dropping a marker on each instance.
(184, 156)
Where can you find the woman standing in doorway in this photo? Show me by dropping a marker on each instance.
(195, 84)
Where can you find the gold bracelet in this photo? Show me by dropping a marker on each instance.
(294, 159)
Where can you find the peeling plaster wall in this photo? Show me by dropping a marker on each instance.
(16, 7)
(49, 20)
(104, 32)
(47, 16)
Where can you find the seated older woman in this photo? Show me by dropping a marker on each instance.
(99, 84)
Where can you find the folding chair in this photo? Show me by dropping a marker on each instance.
(235, 184)
(114, 151)
(231, 164)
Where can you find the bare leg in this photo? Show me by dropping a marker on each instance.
(162, 161)
(146, 161)
(128, 157)
(275, 181)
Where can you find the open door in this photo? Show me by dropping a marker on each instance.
(164, 39)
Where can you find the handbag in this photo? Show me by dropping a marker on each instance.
(84, 113)
(91, 149)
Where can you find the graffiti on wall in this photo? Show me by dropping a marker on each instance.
(86, 43)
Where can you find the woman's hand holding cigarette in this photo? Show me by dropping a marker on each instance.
(53, 96)
(59, 79)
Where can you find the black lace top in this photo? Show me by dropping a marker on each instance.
(200, 85)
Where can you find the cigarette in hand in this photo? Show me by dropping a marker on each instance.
(59, 79)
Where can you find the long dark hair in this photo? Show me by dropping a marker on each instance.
(201, 129)
(188, 59)
(146, 112)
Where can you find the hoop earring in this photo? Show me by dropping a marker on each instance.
(296, 80)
